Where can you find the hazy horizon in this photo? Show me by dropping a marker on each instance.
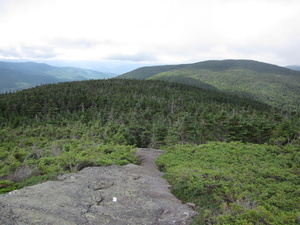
(109, 66)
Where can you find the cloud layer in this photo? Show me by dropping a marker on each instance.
(169, 31)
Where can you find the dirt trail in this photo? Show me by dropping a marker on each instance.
(115, 195)
(147, 157)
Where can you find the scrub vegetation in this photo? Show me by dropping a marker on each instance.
(236, 183)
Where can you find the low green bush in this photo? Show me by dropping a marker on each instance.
(7, 186)
(40, 161)
(236, 183)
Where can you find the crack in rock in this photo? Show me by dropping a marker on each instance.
(97, 185)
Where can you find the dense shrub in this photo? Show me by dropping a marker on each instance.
(236, 183)
(42, 160)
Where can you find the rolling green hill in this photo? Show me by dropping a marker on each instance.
(18, 76)
(270, 84)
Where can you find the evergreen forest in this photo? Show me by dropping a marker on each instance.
(235, 157)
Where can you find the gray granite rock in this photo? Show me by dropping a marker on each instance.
(131, 194)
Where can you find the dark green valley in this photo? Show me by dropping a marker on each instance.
(231, 131)
(21, 75)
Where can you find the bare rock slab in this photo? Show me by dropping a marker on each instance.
(113, 195)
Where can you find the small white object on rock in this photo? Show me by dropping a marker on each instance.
(114, 199)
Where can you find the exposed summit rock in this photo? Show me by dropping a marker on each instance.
(132, 194)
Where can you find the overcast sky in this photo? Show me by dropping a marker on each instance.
(151, 31)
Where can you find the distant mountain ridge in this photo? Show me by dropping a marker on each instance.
(277, 86)
(149, 71)
(293, 67)
(21, 75)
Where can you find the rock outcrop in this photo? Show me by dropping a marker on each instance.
(116, 195)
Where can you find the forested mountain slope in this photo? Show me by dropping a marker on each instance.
(273, 85)
(136, 112)
(65, 127)
(17, 76)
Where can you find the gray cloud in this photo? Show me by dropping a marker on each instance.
(139, 57)
(28, 51)
(68, 43)
(10, 52)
